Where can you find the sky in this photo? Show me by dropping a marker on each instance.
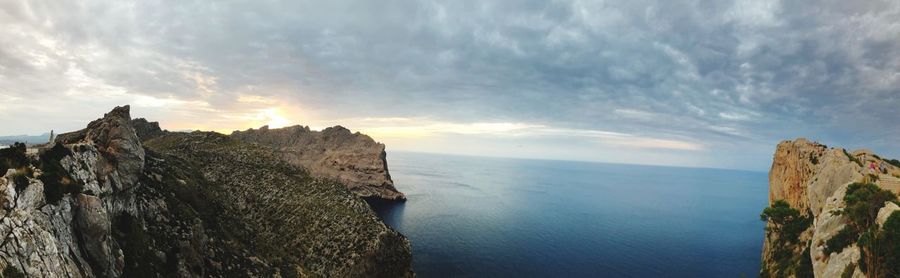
(685, 83)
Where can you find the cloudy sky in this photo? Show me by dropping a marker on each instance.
(689, 83)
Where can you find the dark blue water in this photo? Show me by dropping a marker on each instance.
(475, 216)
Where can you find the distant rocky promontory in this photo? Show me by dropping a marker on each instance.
(353, 159)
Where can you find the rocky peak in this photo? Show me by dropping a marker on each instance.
(115, 138)
(336, 153)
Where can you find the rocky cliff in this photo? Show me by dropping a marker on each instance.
(101, 203)
(813, 180)
(353, 159)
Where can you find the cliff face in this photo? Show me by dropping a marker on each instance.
(353, 159)
(102, 203)
(813, 179)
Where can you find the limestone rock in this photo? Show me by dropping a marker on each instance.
(115, 138)
(813, 179)
(825, 226)
(353, 159)
(885, 212)
(94, 230)
(791, 171)
(834, 171)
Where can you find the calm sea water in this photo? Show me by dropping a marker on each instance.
(477, 216)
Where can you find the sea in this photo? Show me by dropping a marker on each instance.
(472, 216)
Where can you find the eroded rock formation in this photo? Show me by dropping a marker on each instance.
(813, 179)
(353, 159)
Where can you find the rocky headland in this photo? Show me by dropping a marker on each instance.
(832, 213)
(353, 159)
(122, 198)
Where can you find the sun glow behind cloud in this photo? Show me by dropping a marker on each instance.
(272, 118)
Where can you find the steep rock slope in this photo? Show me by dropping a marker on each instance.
(191, 205)
(353, 159)
(813, 179)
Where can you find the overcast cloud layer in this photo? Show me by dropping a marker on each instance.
(694, 83)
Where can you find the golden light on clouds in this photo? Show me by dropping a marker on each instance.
(419, 128)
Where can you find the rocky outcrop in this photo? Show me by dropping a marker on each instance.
(146, 130)
(115, 139)
(99, 204)
(813, 179)
(353, 159)
(52, 225)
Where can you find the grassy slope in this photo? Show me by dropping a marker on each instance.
(253, 201)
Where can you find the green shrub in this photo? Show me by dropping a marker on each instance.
(56, 179)
(886, 247)
(804, 268)
(12, 272)
(841, 240)
(13, 158)
(853, 158)
(787, 221)
(787, 225)
(20, 179)
(863, 201)
(893, 162)
(848, 271)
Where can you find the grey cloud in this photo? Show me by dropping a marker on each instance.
(721, 71)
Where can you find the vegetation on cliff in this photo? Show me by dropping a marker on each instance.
(879, 247)
(13, 158)
(887, 245)
(56, 179)
(786, 225)
(302, 226)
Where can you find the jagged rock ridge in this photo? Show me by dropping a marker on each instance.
(100, 203)
(353, 159)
